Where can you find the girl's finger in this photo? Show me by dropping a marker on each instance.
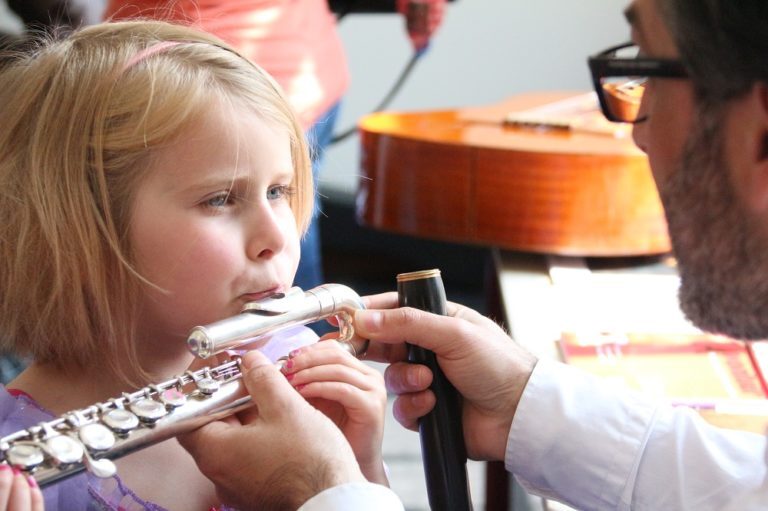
(36, 496)
(323, 353)
(335, 373)
(20, 499)
(6, 481)
(350, 398)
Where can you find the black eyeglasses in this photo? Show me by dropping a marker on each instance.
(619, 77)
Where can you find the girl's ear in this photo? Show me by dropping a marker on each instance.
(747, 147)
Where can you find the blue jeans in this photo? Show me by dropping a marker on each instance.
(310, 271)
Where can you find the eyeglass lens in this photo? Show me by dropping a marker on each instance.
(623, 94)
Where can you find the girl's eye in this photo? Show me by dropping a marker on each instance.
(219, 200)
(280, 192)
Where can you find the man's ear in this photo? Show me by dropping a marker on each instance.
(748, 151)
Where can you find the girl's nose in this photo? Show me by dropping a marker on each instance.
(267, 235)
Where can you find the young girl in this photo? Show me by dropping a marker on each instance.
(151, 180)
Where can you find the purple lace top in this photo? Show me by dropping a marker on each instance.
(85, 491)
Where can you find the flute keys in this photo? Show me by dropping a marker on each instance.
(100, 468)
(120, 420)
(207, 385)
(96, 437)
(64, 449)
(172, 398)
(25, 456)
(148, 410)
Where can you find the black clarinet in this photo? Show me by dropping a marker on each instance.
(440, 431)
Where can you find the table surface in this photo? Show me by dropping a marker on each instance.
(544, 296)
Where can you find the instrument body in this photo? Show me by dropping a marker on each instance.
(440, 431)
(468, 176)
(90, 437)
(276, 313)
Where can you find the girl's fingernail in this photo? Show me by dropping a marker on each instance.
(294, 353)
(3, 466)
(31, 481)
(289, 377)
(16, 471)
(299, 387)
(288, 365)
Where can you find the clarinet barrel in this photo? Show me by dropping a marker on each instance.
(440, 431)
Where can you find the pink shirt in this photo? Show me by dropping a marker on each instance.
(293, 40)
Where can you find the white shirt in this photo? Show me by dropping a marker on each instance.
(594, 447)
(354, 497)
(580, 441)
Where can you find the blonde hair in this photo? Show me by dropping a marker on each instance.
(81, 119)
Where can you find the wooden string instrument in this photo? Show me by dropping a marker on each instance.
(537, 172)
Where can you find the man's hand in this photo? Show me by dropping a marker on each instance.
(276, 455)
(484, 364)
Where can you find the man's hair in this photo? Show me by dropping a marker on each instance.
(82, 118)
(723, 43)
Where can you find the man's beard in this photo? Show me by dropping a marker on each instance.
(722, 259)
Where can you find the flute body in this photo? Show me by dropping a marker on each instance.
(89, 438)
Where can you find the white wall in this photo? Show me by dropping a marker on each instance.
(485, 51)
(9, 23)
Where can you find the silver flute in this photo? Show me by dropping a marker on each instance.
(89, 438)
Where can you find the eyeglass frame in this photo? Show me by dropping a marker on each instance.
(602, 65)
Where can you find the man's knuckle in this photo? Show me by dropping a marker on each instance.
(409, 316)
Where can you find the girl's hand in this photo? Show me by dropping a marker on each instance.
(18, 492)
(350, 393)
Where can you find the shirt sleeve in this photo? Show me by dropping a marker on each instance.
(354, 497)
(580, 440)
